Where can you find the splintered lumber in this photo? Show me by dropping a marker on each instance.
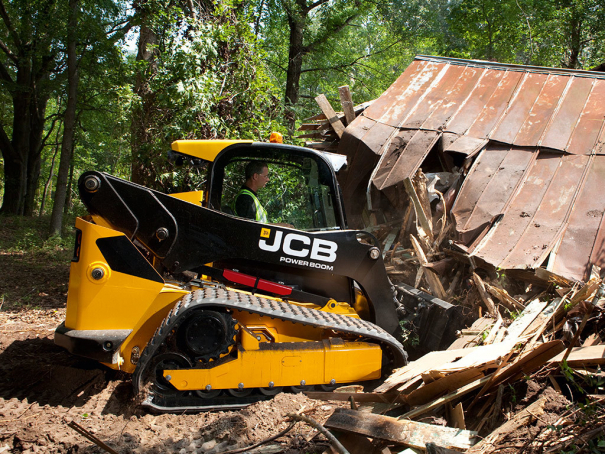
(328, 111)
(530, 362)
(408, 433)
(359, 397)
(583, 356)
(503, 296)
(554, 278)
(347, 103)
(529, 314)
(522, 418)
(445, 399)
(422, 217)
(421, 365)
(489, 303)
(432, 278)
(437, 388)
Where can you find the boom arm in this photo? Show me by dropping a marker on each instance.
(184, 236)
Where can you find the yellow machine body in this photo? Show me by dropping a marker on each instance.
(312, 363)
(119, 301)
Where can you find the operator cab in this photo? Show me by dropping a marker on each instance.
(302, 190)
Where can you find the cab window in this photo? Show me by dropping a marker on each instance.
(297, 193)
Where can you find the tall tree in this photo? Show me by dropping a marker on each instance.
(29, 57)
(69, 121)
(203, 78)
(309, 25)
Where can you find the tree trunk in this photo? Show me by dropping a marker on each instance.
(49, 181)
(295, 60)
(140, 169)
(56, 220)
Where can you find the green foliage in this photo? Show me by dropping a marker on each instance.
(208, 82)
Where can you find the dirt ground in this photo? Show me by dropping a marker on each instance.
(43, 388)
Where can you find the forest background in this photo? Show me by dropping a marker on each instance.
(109, 84)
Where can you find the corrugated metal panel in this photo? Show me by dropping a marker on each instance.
(536, 214)
(584, 137)
(537, 120)
(566, 117)
(411, 158)
(489, 186)
(582, 240)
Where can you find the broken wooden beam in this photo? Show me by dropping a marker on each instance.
(328, 111)
(346, 101)
(433, 280)
(408, 433)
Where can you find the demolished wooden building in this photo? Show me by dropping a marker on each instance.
(526, 142)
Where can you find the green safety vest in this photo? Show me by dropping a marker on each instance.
(261, 213)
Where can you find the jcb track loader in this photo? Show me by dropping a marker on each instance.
(208, 310)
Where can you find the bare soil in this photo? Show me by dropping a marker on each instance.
(43, 387)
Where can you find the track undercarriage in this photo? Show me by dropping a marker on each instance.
(220, 349)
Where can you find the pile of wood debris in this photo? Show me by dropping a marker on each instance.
(532, 329)
(465, 391)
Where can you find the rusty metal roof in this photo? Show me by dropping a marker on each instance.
(537, 136)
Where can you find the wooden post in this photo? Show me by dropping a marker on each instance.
(347, 103)
(328, 111)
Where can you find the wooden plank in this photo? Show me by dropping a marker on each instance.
(408, 433)
(583, 356)
(354, 443)
(489, 303)
(436, 389)
(520, 419)
(554, 278)
(503, 296)
(328, 111)
(416, 368)
(433, 280)
(389, 241)
(347, 103)
(456, 417)
(445, 399)
(359, 397)
(420, 214)
(529, 362)
(529, 314)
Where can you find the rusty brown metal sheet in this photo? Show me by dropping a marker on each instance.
(535, 217)
(543, 232)
(584, 228)
(466, 145)
(385, 102)
(434, 98)
(410, 94)
(586, 133)
(391, 155)
(565, 119)
(410, 160)
(454, 98)
(536, 122)
(496, 105)
(518, 111)
(499, 171)
(482, 92)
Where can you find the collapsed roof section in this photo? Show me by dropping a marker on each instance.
(535, 139)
